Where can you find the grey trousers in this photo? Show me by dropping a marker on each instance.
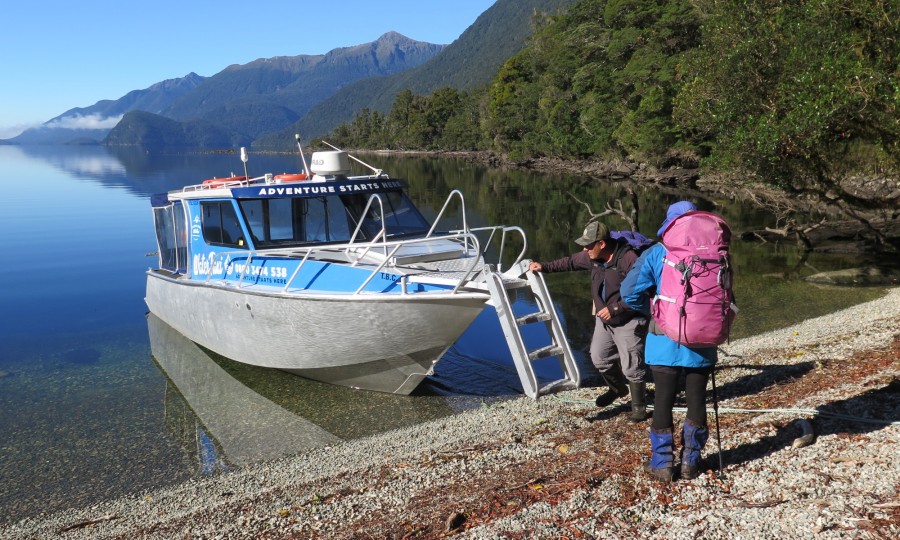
(623, 345)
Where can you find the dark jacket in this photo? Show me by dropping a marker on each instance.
(603, 278)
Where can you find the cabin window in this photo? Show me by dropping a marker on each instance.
(331, 219)
(282, 222)
(401, 218)
(220, 224)
(171, 236)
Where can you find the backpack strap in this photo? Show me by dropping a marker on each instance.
(621, 249)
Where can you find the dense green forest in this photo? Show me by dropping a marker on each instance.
(798, 93)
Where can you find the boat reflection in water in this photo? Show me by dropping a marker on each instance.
(230, 414)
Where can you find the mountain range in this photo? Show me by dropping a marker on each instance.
(264, 102)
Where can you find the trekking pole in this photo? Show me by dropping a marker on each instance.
(716, 411)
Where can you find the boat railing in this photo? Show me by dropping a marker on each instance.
(467, 246)
(504, 230)
(462, 203)
(355, 251)
(466, 237)
(218, 183)
(390, 248)
(382, 234)
(462, 214)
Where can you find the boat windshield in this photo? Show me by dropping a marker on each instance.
(282, 222)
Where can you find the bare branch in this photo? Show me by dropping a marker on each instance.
(619, 210)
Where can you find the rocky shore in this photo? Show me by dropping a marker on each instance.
(559, 467)
(871, 228)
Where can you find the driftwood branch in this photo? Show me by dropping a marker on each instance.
(89, 522)
(786, 225)
(808, 434)
(618, 210)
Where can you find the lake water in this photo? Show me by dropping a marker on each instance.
(100, 400)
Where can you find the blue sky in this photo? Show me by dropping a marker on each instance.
(61, 54)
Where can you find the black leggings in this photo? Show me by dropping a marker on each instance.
(665, 378)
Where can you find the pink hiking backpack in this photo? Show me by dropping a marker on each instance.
(694, 302)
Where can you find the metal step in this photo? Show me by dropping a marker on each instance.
(499, 286)
(550, 350)
(540, 316)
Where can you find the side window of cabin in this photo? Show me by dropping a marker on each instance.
(164, 220)
(181, 237)
(171, 236)
(325, 220)
(220, 224)
(270, 221)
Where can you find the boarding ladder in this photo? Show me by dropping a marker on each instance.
(499, 284)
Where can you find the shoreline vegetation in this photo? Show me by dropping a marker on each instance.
(639, 90)
(875, 233)
(558, 467)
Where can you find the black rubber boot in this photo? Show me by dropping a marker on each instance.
(617, 387)
(638, 401)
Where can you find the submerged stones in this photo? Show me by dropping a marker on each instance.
(869, 276)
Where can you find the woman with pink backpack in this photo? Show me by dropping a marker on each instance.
(689, 274)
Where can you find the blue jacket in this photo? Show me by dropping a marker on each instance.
(640, 283)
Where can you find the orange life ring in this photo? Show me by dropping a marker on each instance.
(290, 177)
(216, 182)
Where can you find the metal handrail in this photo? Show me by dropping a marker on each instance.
(401, 243)
(503, 230)
(381, 234)
(225, 184)
(311, 251)
(465, 237)
(462, 202)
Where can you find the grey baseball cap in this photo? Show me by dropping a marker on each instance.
(593, 231)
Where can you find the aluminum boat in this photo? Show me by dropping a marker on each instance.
(334, 277)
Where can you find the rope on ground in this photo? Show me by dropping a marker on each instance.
(731, 410)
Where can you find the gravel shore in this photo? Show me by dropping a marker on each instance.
(559, 467)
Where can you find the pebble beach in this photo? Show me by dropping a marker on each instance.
(559, 467)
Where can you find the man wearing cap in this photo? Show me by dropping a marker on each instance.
(617, 346)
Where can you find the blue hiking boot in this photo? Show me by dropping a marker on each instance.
(661, 465)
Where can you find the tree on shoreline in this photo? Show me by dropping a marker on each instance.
(801, 95)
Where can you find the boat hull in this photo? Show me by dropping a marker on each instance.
(249, 427)
(386, 343)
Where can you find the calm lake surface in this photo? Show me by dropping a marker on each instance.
(98, 400)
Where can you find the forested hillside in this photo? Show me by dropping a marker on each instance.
(800, 93)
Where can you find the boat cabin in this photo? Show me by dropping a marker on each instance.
(270, 213)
